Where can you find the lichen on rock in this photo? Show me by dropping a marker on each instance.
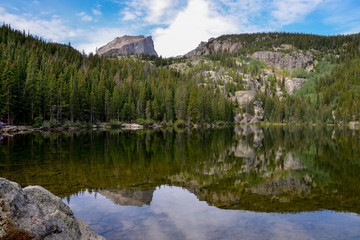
(35, 213)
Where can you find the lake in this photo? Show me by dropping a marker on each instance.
(242, 182)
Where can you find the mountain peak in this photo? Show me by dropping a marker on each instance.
(128, 45)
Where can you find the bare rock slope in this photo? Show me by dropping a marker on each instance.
(35, 213)
(214, 45)
(128, 45)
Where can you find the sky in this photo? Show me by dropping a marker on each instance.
(177, 26)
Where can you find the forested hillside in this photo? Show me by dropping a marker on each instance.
(272, 77)
(51, 82)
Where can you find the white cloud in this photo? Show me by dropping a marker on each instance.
(128, 16)
(196, 23)
(152, 11)
(289, 11)
(96, 12)
(53, 29)
(85, 17)
(157, 10)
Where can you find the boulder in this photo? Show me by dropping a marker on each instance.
(132, 126)
(35, 213)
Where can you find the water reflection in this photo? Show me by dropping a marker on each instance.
(272, 169)
(175, 213)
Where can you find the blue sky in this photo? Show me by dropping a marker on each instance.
(177, 26)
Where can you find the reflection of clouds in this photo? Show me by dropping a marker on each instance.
(175, 213)
(192, 217)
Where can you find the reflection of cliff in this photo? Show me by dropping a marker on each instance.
(128, 197)
(260, 178)
(279, 186)
(262, 169)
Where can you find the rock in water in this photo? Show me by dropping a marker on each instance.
(35, 213)
(128, 45)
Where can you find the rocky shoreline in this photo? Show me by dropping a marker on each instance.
(35, 213)
(10, 130)
(13, 130)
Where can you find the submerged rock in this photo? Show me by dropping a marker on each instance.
(35, 213)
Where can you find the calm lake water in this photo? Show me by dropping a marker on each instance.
(245, 182)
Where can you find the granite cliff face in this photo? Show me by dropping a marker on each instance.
(128, 45)
(215, 45)
(285, 60)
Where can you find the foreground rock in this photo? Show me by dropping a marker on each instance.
(35, 213)
(128, 45)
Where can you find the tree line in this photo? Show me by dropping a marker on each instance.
(42, 81)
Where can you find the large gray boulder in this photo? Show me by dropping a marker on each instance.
(35, 213)
(128, 45)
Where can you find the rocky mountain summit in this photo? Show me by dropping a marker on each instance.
(128, 45)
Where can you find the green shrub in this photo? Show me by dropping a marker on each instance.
(180, 123)
(78, 124)
(67, 123)
(299, 73)
(149, 122)
(37, 121)
(114, 124)
(140, 121)
(50, 124)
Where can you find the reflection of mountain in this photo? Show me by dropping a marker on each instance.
(274, 169)
(127, 197)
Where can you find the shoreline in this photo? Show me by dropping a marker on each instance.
(10, 130)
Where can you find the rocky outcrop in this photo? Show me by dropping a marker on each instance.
(35, 213)
(292, 84)
(251, 118)
(285, 60)
(243, 98)
(197, 51)
(215, 45)
(128, 45)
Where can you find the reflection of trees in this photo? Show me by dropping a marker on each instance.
(265, 169)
